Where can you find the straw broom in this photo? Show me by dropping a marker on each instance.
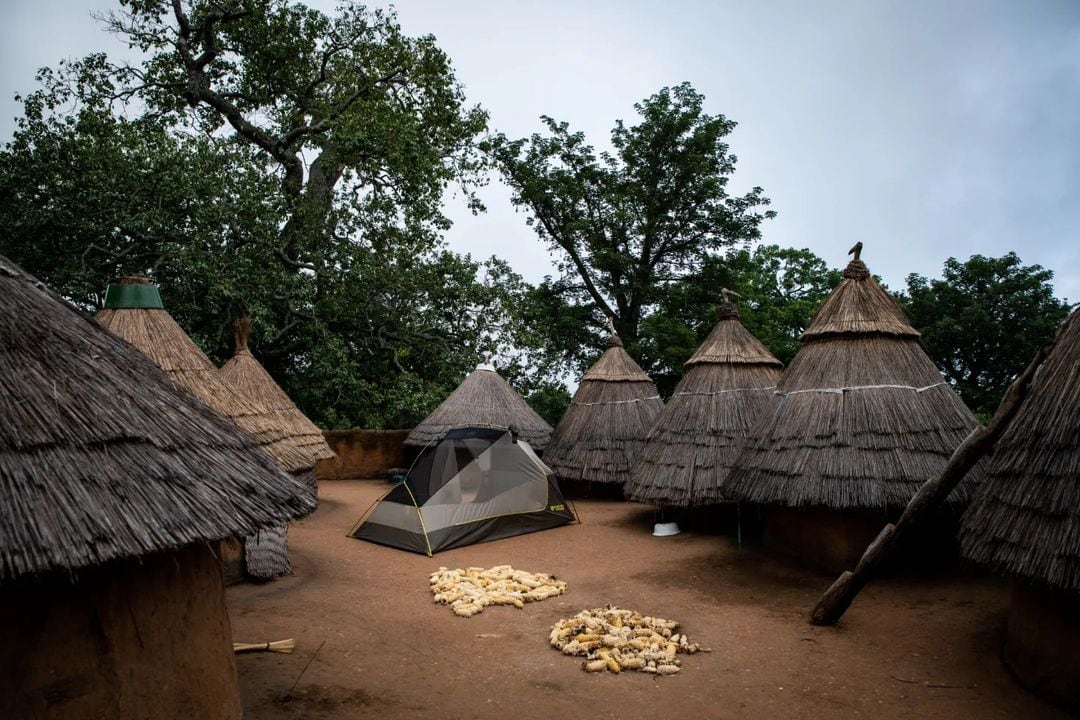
(281, 646)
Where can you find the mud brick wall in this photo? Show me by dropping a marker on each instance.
(363, 454)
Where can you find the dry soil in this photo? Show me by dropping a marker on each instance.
(371, 643)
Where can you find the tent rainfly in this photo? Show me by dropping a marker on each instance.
(472, 486)
(483, 399)
(600, 436)
(133, 311)
(861, 419)
(1025, 522)
(696, 439)
(116, 484)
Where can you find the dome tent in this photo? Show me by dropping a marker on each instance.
(473, 485)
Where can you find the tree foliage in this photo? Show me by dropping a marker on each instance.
(628, 226)
(983, 321)
(265, 157)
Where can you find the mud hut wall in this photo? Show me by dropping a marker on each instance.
(824, 539)
(145, 638)
(363, 454)
(1041, 642)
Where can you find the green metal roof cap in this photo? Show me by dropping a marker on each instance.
(133, 296)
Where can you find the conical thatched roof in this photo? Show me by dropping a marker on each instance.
(702, 428)
(131, 313)
(483, 399)
(246, 375)
(1025, 519)
(102, 457)
(861, 418)
(600, 436)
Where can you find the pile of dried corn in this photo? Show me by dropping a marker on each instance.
(616, 640)
(469, 591)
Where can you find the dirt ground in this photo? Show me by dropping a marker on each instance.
(363, 617)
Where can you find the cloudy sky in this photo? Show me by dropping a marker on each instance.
(924, 128)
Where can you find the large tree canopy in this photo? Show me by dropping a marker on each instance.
(629, 225)
(983, 321)
(266, 157)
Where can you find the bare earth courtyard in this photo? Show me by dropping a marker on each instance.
(909, 647)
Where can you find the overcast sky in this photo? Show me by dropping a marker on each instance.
(924, 128)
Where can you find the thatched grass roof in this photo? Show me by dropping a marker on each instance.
(246, 375)
(1025, 519)
(486, 400)
(701, 431)
(861, 418)
(153, 330)
(102, 457)
(600, 436)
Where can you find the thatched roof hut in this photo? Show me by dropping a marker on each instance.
(699, 434)
(116, 482)
(247, 376)
(483, 399)
(862, 416)
(600, 436)
(1025, 522)
(134, 312)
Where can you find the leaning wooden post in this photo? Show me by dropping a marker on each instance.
(836, 600)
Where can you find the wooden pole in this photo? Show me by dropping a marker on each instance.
(838, 598)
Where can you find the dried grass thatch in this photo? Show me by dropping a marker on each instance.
(247, 376)
(600, 436)
(1025, 519)
(702, 429)
(266, 553)
(862, 417)
(102, 457)
(483, 399)
(154, 331)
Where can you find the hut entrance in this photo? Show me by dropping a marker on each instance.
(474, 485)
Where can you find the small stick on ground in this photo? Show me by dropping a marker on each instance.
(288, 695)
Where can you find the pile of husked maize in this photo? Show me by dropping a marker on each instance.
(469, 591)
(614, 640)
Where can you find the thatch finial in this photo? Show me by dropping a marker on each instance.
(727, 309)
(243, 332)
(613, 339)
(856, 269)
(134, 293)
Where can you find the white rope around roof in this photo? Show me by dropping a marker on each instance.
(841, 390)
(724, 392)
(618, 402)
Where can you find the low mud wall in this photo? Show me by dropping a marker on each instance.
(363, 454)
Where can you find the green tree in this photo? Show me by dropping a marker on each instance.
(629, 225)
(983, 321)
(781, 289)
(265, 157)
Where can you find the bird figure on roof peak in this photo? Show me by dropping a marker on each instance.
(856, 250)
